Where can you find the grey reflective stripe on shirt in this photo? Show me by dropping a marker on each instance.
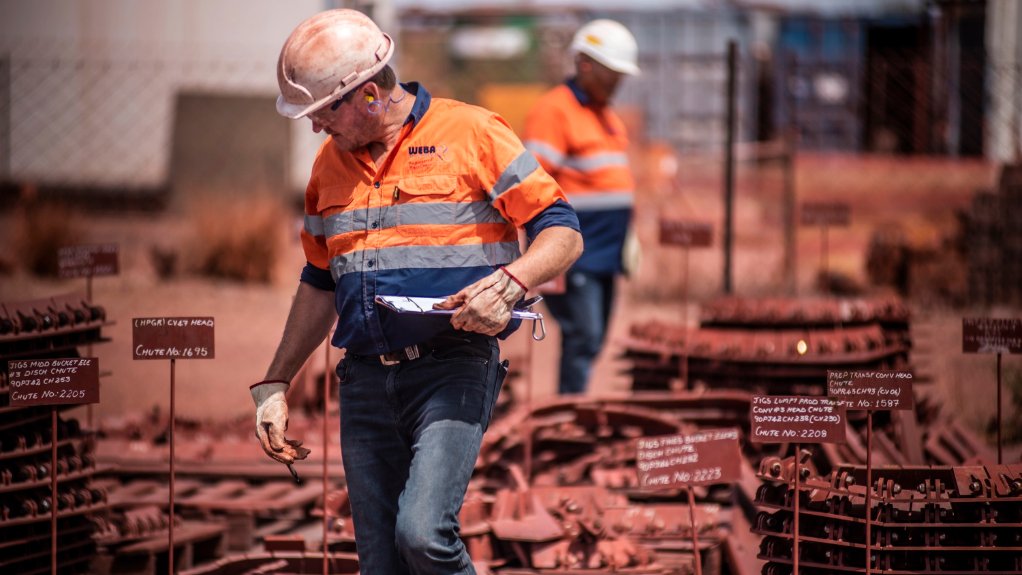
(433, 213)
(429, 257)
(514, 173)
(597, 161)
(443, 213)
(313, 225)
(545, 151)
(596, 201)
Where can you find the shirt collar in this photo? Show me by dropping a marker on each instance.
(580, 95)
(422, 101)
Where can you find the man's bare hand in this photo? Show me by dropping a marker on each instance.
(485, 306)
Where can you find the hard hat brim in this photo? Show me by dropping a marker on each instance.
(619, 66)
(292, 111)
(298, 111)
(625, 68)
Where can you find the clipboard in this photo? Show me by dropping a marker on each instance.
(424, 306)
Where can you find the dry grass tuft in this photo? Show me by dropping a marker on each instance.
(238, 238)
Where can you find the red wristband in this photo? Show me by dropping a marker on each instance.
(265, 381)
(513, 278)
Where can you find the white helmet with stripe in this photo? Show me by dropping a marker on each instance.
(326, 57)
(609, 43)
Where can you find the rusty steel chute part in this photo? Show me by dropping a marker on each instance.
(555, 487)
(39, 329)
(773, 345)
(934, 519)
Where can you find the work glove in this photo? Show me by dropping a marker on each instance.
(271, 423)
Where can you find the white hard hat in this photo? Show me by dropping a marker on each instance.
(326, 57)
(609, 43)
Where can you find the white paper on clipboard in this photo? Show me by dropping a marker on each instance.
(424, 305)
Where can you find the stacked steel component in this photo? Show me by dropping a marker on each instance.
(40, 329)
(556, 488)
(776, 346)
(32, 328)
(771, 313)
(567, 501)
(213, 515)
(947, 519)
(590, 441)
(923, 436)
(227, 497)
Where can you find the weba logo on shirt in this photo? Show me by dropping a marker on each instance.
(428, 151)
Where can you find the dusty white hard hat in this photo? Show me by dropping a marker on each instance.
(327, 56)
(609, 43)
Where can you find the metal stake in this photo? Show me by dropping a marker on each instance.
(53, 490)
(824, 263)
(869, 487)
(170, 529)
(729, 160)
(998, 408)
(684, 319)
(794, 551)
(695, 530)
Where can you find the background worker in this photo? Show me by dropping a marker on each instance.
(582, 143)
(418, 196)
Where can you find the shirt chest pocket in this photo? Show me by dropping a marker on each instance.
(425, 205)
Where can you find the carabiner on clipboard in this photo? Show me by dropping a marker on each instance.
(542, 329)
(527, 305)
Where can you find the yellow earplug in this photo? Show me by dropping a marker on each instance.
(369, 98)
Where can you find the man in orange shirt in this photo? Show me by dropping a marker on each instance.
(582, 143)
(409, 196)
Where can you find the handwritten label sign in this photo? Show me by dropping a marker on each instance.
(986, 335)
(688, 234)
(53, 381)
(85, 261)
(702, 458)
(871, 389)
(797, 419)
(825, 214)
(172, 337)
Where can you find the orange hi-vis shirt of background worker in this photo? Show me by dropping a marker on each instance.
(584, 147)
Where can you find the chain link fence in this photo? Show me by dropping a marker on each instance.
(138, 127)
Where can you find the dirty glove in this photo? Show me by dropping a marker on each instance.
(271, 422)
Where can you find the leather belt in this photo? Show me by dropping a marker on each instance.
(417, 350)
(406, 354)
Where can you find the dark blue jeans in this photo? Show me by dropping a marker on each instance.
(410, 435)
(583, 313)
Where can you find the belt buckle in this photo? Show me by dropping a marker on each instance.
(410, 352)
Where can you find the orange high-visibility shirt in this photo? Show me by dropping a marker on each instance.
(441, 212)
